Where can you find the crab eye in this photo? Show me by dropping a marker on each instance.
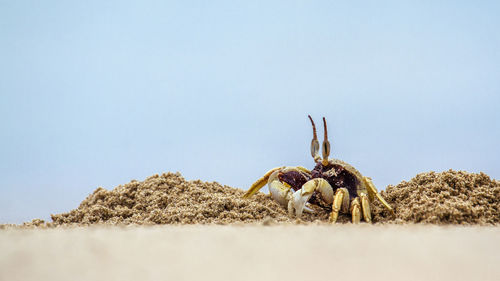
(314, 148)
(326, 149)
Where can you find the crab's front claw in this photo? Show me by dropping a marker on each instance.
(298, 202)
(301, 196)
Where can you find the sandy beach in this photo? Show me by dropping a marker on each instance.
(252, 252)
(446, 227)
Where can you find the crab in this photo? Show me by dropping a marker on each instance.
(335, 182)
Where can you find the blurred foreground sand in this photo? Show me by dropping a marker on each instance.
(282, 252)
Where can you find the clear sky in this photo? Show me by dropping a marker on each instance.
(97, 93)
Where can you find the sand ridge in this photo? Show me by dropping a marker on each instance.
(170, 199)
(450, 197)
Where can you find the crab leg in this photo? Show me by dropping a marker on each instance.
(365, 207)
(260, 183)
(372, 192)
(340, 202)
(355, 211)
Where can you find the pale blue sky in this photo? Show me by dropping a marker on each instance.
(97, 93)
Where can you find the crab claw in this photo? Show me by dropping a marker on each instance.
(298, 202)
(301, 196)
(280, 192)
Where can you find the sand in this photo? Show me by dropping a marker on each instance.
(450, 197)
(170, 199)
(281, 252)
(167, 228)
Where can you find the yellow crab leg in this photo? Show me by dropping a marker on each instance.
(365, 207)
(355, 211)
(260, 183)
(340, 201)
(372, 192)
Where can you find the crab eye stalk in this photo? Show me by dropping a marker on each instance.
(326, 151)
(326, 145)
(314, 142)
(314, 148)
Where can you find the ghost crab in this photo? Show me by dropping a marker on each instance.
(337, 183)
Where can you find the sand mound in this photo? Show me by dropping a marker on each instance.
(170, 199)
(449, 197)
(439, 198)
